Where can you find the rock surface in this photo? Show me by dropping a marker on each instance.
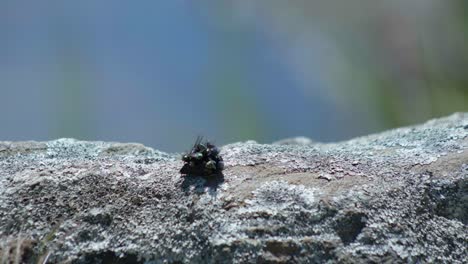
(395, 197)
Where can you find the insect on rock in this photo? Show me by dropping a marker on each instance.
(203, 159)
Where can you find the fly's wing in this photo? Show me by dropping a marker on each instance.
(197, 142)
(193, 149)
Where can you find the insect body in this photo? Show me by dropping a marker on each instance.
(203, 159)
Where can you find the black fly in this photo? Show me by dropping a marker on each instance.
(203, 159)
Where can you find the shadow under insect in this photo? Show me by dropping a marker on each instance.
(202, 184)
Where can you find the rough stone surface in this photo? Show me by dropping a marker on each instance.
(395, 197)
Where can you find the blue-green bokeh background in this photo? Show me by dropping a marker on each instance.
(163, 72)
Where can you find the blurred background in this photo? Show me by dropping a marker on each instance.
(163, 72)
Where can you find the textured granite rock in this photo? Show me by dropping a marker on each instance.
(396, 197)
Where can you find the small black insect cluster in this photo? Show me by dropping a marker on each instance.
(203, 159)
